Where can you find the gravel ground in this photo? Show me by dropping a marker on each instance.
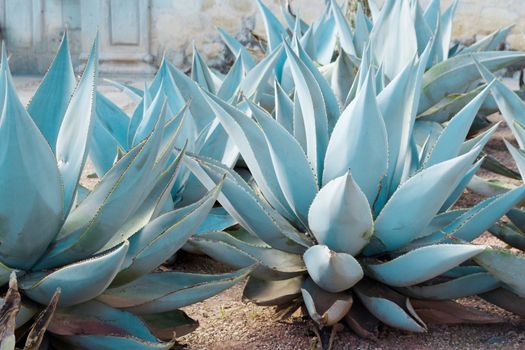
(227, 322)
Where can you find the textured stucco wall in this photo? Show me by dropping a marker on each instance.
(175, 24)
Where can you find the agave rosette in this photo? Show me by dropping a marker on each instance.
(350, 208)
(100, 247)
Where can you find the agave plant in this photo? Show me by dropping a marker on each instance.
(347, 213)
(100, 247)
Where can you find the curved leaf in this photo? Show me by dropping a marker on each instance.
(457, 73)
(326, 309)
(162, 237)
(274, 29)
(28, 203)
(505, 266)
(415, 203)
(360, 127)
(79, 282)
(75, 130)
(49, 103)
(297, 182)
(313, 111)
(340, 216)
(389, 307)
(422, 264)
(166, 291)
(449, 143)
(98, 218)
(460, 287)
(247, 208)
(333, 272)
(240, 250)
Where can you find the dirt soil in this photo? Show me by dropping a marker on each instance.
(228, 322)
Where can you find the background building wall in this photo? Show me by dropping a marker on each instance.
(134, 34)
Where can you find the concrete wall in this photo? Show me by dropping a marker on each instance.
(135, 33)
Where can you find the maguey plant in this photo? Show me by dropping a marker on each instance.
(349, 209)
(100, 247)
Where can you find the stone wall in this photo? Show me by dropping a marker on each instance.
(135, 33)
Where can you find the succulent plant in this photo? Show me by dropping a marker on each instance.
(100, 247)
(350, 207)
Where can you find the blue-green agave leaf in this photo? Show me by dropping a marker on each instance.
(333, 272)
(237, 48)
(79, 282)
(162, 237)
(422, 264)
(460, 188)
(360, 126)
(103, 148)
(505, 266)
(340, 216)
(5, 272)
(449, 106)
(274, 28)
(189, 90)
(346, 39)
(156, 109)
(164, 176)
(101, 214)
(400, 118)
(489, 43)
(342, 77)
(113, 118)
(283, 108)
(28, 203)
(253, 147)
(326, 309)
(330, 101)
(217, 220)
(461, 287)
(393, 37)
(201, 73)
(449, 143)
(313, 111)
(253, 213)
(361, 32)
(298, 183)
(48, 105)
(445, 31)
(166, 291)
(389, 307)
(110, 127)
(511, 105)
(230, 85)
(257, 78)
(411, 209)
(75, 131)
(274, 264)
(95, 325)
(519, 157)
(324, 31)
(457, 73)
(481, 217)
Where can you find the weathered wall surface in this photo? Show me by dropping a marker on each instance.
(135, 33)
